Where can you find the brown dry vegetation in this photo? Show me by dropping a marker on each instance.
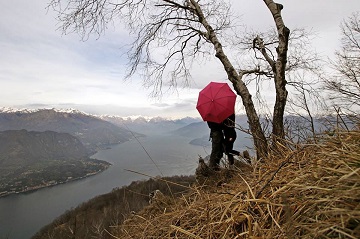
(91, 219)
(312, 191)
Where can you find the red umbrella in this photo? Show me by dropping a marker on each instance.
(216, 102)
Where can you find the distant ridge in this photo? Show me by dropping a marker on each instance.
(92, 131)
(143, 119)
(149, 126)
(26, 110)
(107, 117)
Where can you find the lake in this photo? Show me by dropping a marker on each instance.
(22, 215)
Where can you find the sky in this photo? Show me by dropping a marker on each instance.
(42, 68)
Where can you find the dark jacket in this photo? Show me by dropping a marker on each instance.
(223, 136)
(227, 126)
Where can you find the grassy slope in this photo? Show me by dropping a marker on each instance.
(310, 192)
(89, 219)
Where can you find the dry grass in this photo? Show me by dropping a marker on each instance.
(311, 192)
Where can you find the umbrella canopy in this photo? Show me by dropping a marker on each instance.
(216, 102)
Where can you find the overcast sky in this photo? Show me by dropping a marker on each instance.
(41, 68)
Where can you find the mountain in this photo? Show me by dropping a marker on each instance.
(20, 147)
(156, 125)
(193, 130)
(199, 133)
(92, 131)
(298, 128)
(200, 128)
(31, 160)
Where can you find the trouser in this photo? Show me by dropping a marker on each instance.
(217, 139)
(228, 149)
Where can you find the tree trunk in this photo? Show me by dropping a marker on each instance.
(278, 132)
(260, 141)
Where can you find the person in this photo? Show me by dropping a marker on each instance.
(217, 138)
(229, 138)
(222, 136)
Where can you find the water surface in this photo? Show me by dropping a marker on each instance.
(22, 215)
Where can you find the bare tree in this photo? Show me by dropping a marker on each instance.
(303, 71)
(344, 87)
(305, 105)
(183, 30)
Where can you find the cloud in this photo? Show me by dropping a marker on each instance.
(40, 66)
(161, 105)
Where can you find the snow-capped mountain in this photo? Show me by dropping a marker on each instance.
(150, 126)
(39, 120)
(14, 110)
(93, 132)
(25, 110)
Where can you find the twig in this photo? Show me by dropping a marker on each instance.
(272, 177)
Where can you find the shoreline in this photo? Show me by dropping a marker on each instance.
(52, 184)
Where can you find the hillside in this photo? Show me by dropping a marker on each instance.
(93, 132)
(111, 209)
(31, 160)
(311, 191)
(21, 147)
